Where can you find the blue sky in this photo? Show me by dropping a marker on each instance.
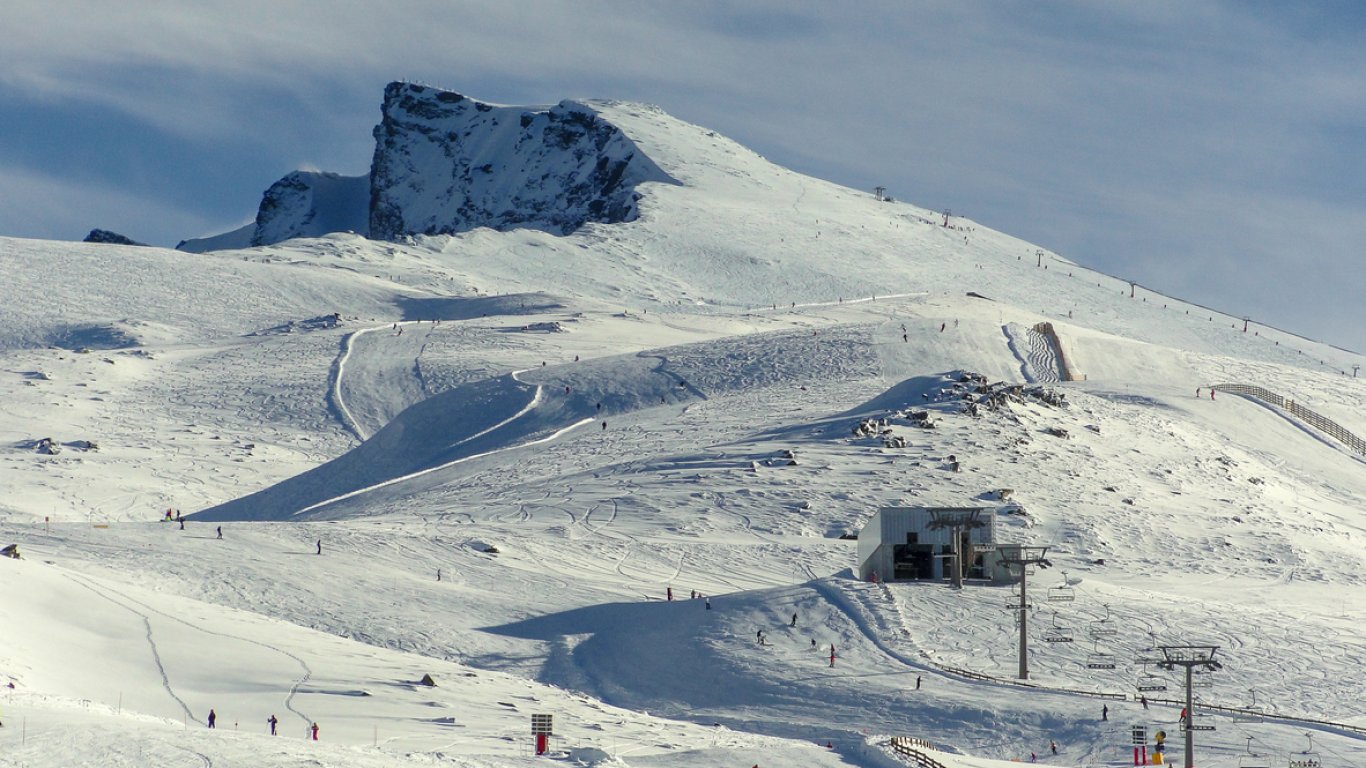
(1213, 151)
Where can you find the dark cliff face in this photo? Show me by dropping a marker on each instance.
(308, 204)
(445, 163)
(113, 238)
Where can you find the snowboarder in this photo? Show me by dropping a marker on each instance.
(273, 722)
(220, 531)
(1104, 712)
(320, 546)
(213, 718)
(794, 620)
(315, 731)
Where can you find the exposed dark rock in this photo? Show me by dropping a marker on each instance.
(112, 238)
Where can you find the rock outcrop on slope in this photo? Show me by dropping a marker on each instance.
(446, 163)
(113, 238)
(311, 204)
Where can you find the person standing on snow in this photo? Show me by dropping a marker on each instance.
(220, 531)
(794, 620)
(315, 731)
(320, 546)
(213, 718)
(1104, 712)
(273, 722)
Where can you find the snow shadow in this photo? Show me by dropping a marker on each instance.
(468, 307)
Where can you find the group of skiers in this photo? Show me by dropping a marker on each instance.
(271, 721)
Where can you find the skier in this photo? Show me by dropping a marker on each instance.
(438, 574)
(669, 594)
(273, 722)
(1144, 701)
(315, 731)
(1104, 712)
(813, 642)
(1211, 393)
(917, 682)
(708, 603)
(604, 426)
(832, 654)
(794, 620)
(759, 637)
(1182, 718)
(220, 531)
(213, 718)
(1197, 391)
(182, 523)
(320, 546)
(1053, 745)
(942, 326)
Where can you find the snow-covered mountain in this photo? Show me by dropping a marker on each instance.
(491, 454)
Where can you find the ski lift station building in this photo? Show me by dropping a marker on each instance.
(905, 544)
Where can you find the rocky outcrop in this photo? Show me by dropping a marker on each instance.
(113, 238)
(445, 163)
(311, 204)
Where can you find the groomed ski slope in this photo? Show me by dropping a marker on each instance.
(749, 312)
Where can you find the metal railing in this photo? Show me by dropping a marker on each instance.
(1313, 419)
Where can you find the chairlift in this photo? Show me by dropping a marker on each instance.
(1252, 759)
(1063, 593)
(1202, 678)
(1103, 627)
(1251, 713)
(1308, 758)
(1149, 682)
(1057, 633)
(1098, 659)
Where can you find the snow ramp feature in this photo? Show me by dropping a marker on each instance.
(414, 450)
(460, 422)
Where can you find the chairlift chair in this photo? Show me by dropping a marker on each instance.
(1063, 593)
(1057, 633)
(1308, 758)
(1098, 659)
(1148, 683)
(1252, 759)
(1103, 627)
(1251, 713)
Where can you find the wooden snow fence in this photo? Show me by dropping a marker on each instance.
(911, 749)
